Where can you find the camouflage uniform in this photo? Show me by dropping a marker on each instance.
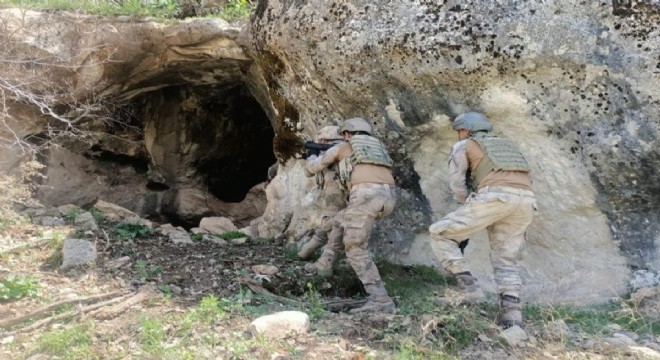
(372, 196)
(331, 199)
(503, 205)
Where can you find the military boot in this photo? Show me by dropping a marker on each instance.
(510, 311)
(378, 300)
(323, 265)
(469, 291)
(309, 247)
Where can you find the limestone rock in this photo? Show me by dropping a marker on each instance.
(281, 324)
(76, 252)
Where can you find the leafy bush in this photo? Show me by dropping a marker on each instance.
(132, 231)
(15, 287)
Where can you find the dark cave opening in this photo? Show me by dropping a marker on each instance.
(213, 136)
(244, 145)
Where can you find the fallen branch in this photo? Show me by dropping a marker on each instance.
(254, 286)
(25, 246)
(6, 324)
(51, 319)
(339, 305)
(105, 314)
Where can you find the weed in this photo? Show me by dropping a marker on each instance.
(165, 289)
(414, 286)
(72, 343)
(230, 235)
(197, 237)
(72, 214)
(97, 214)
(151, 335)
(291, 252)
(411, 351)
(316, 309)
(15, 287)
(146, 271)
(128, 231)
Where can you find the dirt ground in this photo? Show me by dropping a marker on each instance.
(152, 279)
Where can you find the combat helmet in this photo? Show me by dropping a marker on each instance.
(329, 133)
(472, 121)
(355, 125)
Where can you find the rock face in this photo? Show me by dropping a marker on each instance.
(165, 120)
(183, 120)
(574, 83)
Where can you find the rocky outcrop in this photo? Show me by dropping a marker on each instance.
(183, 120)
(575, 84)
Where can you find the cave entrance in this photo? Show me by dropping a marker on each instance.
(215, 136)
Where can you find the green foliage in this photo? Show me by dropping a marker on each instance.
(128, 231)
(412, 351)
(316, 309)
(72, 343)
(236, 10)
(230, 235)
(72, 214)
(97, 214)
(415, 287)
(147, 271)
(291, 252)
(156, 8)
(593, 320)
(15, 287)
(197, 237)
(151, 336)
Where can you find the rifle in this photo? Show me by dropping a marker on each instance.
(316, 148)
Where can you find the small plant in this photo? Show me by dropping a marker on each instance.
(197, 237)
(128, 231)
(97, 214)
(264, 241)
(230, 235)
(291, 252)
(316, 309)
(73, 343)
(15, 287)
(147, 271)
(72, 214)
(152, 336)
(165, 289)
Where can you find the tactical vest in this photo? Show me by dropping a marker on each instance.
(500, 155)
(366, 150)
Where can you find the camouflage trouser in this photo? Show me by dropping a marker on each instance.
(329, 204)
(505, 213)
(366, 203)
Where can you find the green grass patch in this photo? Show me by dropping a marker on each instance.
(593, 320)
(146, 271)
(152, 336)
(414, 287)
(72, 343)
(230, 235)
(156, 8)
(14, 287)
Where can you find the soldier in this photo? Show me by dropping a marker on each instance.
(365, 171)
(490, 177)
(332, 197)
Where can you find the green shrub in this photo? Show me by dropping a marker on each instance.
(15, 287)
(129, 231)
